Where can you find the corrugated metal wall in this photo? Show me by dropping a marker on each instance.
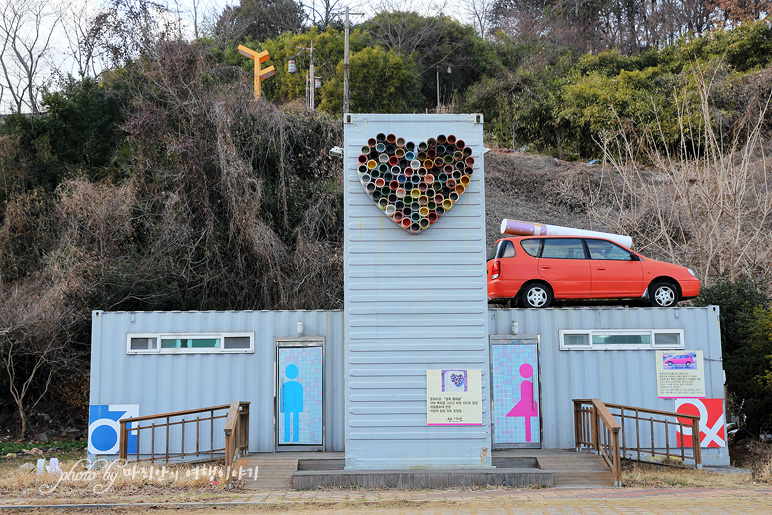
(622, 377)
(162, 383)
(412, 303)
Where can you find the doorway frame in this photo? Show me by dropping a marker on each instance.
(515, 339)
(296, 342)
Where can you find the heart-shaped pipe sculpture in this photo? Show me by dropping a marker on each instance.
(415, 183)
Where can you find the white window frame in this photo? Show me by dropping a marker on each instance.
(615, 346)
(198, 350)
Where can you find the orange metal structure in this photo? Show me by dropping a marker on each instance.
(260, 73)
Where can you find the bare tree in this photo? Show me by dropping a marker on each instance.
(26, 31)
(708, 203)
(322, 13)
(34, 344)
(481, 15)
(399, 27)
(82, 34)
(124, 29)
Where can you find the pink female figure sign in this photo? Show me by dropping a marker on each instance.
(527, 406)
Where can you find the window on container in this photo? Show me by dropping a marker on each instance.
(190, 343)
(143, 343)
(577, 340)
(604, 339)
(667, 339)
(238, 342)
(622, 339)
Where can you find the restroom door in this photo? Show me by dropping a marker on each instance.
(515, 392)
(299, 395)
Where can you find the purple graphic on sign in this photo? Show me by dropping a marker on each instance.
(454, 381)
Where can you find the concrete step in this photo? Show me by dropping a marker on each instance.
(449, 478)
(272, 474)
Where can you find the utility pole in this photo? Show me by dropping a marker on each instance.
(310, 78)
(438, 84)
(438, 87)
(347, 29)
(346, 94)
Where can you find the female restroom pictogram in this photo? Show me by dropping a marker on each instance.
(527, 406)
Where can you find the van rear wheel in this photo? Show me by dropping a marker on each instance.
(537, 295)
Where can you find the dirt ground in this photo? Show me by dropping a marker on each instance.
(703, 503)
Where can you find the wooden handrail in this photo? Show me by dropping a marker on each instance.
(606, 415)
(236, 436)
(599, 430)
(179, 413)
(236, 433)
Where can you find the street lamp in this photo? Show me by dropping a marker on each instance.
(311, 79)
(448, 72)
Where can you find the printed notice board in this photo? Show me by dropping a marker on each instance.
(680, 374)
(454, 397)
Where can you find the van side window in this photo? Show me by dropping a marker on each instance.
(563, 248)
(601, 249)
(531, 247)
(506, 250)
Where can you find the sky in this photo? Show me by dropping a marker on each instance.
(57, 59)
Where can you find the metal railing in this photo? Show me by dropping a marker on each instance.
(605, 428)
(176, 428)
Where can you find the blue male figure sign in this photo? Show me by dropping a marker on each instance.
(292, 403)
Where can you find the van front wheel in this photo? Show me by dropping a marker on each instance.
(663, 295)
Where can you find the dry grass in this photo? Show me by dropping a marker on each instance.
(759, 460)
(113, 479)
(644, 475)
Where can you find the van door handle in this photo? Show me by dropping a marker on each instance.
(545, 268)
(601, 268)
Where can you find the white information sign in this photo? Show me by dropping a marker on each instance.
(454, 397)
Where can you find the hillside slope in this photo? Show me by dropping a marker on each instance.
(537, 188)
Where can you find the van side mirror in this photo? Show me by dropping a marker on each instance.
(634, 257)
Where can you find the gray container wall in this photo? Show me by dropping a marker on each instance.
(621, 377)
(162, 383)
(412, 303)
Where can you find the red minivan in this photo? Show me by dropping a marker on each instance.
(534, 270)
